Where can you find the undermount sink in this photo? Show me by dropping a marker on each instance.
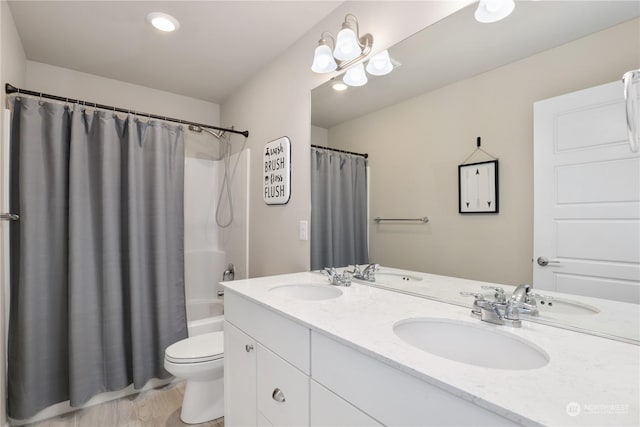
(382, 277)
(465, 342)
(307, 291)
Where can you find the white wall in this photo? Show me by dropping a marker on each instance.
(416, 175)
(12, 70)
(277, 102)
(319, 136)
(74, 84)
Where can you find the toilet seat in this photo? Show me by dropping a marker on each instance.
(201, 348)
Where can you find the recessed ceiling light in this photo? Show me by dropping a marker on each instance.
(163, 22)
(339, 86)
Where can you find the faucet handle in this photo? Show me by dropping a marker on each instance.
(330, 272)
(478, 297)
(499, 293)
(356, 270)
(476, 309)
(516, 306)
(498, 289)
(374, 267)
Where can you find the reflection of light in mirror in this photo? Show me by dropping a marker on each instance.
(163, 22)
(494, 10)
(355, 76)
(380, 64)
(339, 86)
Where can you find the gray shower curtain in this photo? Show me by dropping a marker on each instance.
(338, 209)
(97, 260)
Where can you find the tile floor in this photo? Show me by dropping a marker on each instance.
(153, 408)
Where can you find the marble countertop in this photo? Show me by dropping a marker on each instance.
(600, 375)
(613, 318)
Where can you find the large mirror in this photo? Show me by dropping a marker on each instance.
(458, 80)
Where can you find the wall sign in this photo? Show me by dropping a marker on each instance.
(478, 187)
(277, 172)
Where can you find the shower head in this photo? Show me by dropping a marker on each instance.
(199, 129)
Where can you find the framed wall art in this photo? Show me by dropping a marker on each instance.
(276, 162)
(478, 187)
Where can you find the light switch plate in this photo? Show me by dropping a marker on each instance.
(304, 230)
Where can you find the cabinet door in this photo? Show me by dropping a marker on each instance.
(327, 409)
(283, 391)
(239, 377)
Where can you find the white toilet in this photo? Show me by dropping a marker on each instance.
(199, 360)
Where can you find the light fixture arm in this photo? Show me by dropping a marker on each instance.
(323, 40)
(365, 42)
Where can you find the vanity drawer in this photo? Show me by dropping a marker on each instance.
(286, 338)
(283, 391)
(394, 397)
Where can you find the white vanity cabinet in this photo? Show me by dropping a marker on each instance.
(266, 367)
(280, 373)
(240, 377)
(329, 410)
(389, 395)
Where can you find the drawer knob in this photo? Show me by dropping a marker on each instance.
(278, 395)
(248, 347)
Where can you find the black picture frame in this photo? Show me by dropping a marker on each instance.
(478, 188)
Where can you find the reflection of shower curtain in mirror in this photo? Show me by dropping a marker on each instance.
(97, 258)
(338, 209)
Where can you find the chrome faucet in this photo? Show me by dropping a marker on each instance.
(336, 278)
(524, 299)
(368, 274)
(489, 311)
(499, 293)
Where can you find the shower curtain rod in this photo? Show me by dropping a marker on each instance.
(365, 155)
(10, 89)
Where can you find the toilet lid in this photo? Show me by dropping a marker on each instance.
(201, 348)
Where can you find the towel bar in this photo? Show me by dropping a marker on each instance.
(424, 219)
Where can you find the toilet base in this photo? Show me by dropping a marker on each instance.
(203, 401)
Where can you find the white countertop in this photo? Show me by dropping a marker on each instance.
(600, 375)
(613, 318)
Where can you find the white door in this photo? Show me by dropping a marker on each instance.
(586, 196)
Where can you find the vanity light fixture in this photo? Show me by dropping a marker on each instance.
(348, 48)
(380, 64)
(355, 76)
(163, 22)
(323, 61)
(489, 11)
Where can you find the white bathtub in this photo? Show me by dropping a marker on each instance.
(205, 315)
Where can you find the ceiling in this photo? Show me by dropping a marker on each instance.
(219, 46)
(458, 48)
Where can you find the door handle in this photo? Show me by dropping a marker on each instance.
(278, 395)
(543, 261)
(248, 347)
